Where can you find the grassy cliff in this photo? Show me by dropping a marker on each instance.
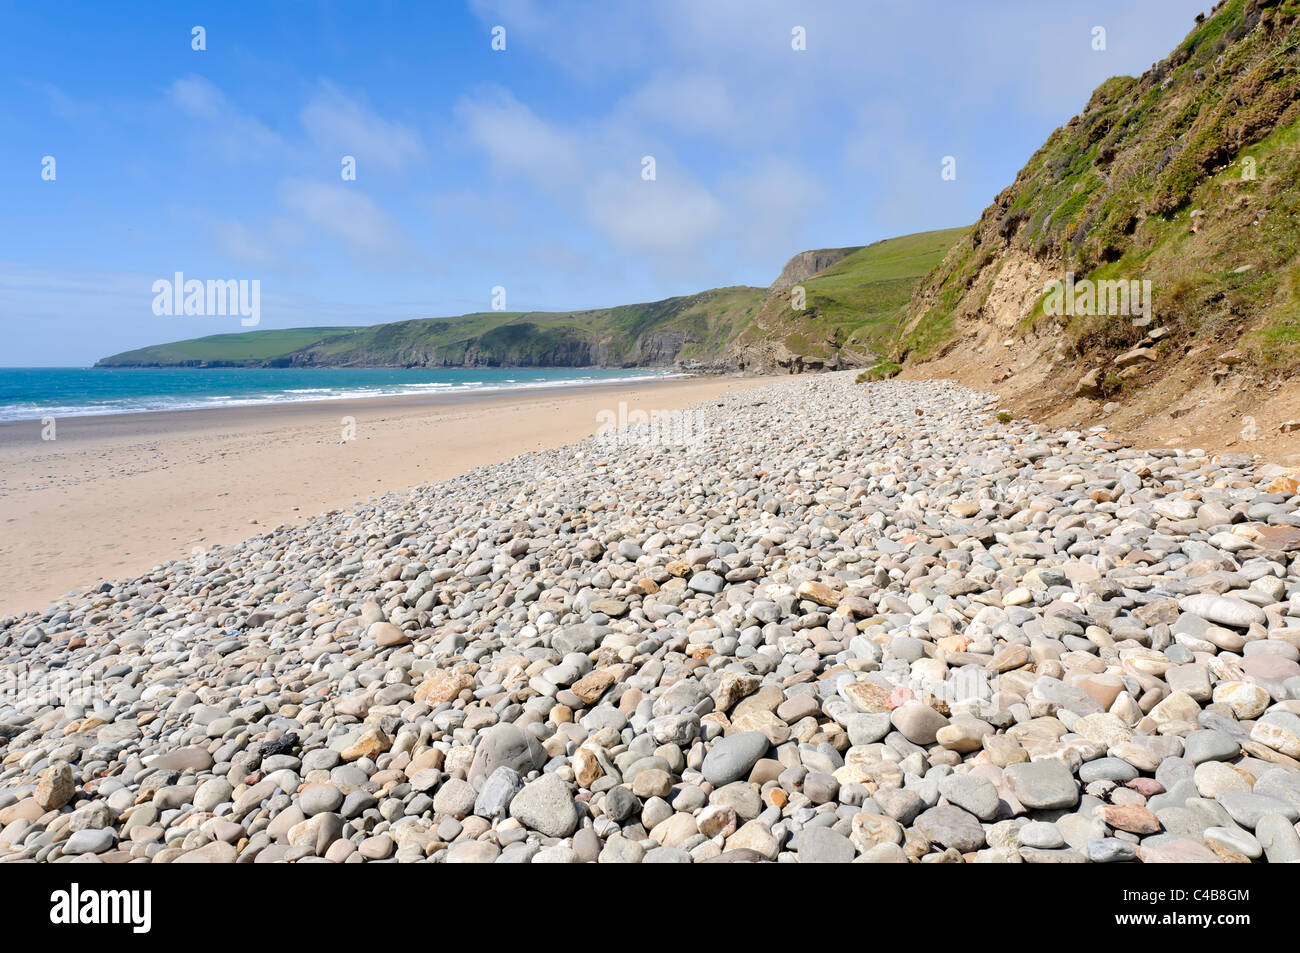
(694, 327)
(851, 308)
(1187, 177)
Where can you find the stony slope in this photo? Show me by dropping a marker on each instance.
(1185, 177)
(837, 622)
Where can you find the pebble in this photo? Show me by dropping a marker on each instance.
(1041, 834)
(1234, 839)
(90, 841)
(320, 798)
(950, 826)
(821, 845)
(731, 758)
(1043, 785)
(870, 634)
(971, 793)
(1247, 808)
(1109, 850)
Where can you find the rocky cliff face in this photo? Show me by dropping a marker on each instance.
(778, 342)
(658, 348)
(807, 263)
(652, 349)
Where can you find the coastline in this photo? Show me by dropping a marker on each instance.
(115, 495)
(169, 400)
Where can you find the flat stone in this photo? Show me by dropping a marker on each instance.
(546, 806)
(506, 745)
(821, 845)
(473, 852)
(456, 798)
(1246, 700)
(182, 759)
(1246, 808)
(1279, 730)
(732, 757)
(90, 841)
(215, 853)
(1236, 840)
(500, 788)
(901, 804)
(1278, 838)
(1182, 850)
(950, 826)
(387, 635)
(1202, 746)
(1109, 850)
(1223, 610)
(1043, 785)
(755, 836)
(1107, 769)
(1214, 778)
(1133, 818)
(971, 793)
(918, 722)
(320, 798)
(1041, 834)
(871, 830)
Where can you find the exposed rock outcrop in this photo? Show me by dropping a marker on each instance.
(807, 263)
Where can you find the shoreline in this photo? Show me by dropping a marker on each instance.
(193, 417)
(116, 494)
(484, 391)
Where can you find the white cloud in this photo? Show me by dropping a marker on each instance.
(219, 126)
(244, 244)
(693, 102)
(67, 108)
(334, 121)
(596, 169)
(349, 215)
(774, 202)
(518, 142)
(586, 39)
(265, 246)
(667, 217)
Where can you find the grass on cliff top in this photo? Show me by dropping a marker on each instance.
(854, 302)
(858, 301)
(245, 346)
(706, 320)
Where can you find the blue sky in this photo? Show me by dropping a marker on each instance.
(519, 168)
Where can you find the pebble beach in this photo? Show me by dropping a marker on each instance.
(832, 623)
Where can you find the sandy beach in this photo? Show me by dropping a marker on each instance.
(113, 496)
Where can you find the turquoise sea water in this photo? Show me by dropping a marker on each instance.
(28, 393)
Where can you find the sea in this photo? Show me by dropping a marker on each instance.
(33, 393)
